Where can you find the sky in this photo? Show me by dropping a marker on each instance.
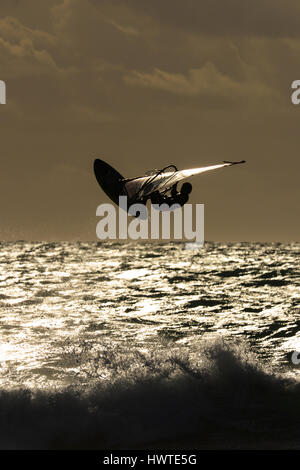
(143, 84)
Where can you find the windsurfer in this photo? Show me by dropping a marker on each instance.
(177, 197)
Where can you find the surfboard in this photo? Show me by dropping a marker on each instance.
(110, 180)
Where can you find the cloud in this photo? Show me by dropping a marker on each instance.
(23, 51)
(13, 30)
(205, 81)
(92, 57)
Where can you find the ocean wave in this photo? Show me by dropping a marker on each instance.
(216, 395)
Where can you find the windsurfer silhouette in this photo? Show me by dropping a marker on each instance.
(177, 197)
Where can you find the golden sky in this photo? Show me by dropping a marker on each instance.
(142, 84)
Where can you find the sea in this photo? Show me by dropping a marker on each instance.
(149, 345)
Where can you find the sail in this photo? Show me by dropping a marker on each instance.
(162, 181)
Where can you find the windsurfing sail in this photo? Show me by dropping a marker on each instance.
(163, 180)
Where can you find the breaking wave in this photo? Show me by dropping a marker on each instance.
(213, 397)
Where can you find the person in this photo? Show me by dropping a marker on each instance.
(176, 197)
